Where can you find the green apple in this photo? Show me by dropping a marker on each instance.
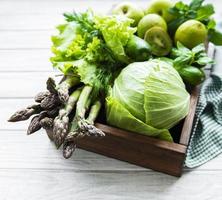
(161, 8)
(149, 21)
(130, 10)
(191, 33)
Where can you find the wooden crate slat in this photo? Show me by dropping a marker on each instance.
(143, 150)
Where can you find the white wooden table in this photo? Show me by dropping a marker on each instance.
(30, 167)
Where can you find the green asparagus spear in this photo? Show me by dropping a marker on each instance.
(87, 126)
(51, 85)
(53, 112)
(82, 127)
(35, 122)
(83, 104)
(74, 131)
(24, 114)
(94, 111)
(61, 122)
(68, 149)
(47, 124)
(34, 125)
(64, 86)
(50, 101)
(83, 101)
(40, 96)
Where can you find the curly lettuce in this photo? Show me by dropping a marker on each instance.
(61, 42)
(97, 39)
(116, 32)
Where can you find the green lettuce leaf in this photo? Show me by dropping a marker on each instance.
(81, 38)
(87, 72)
(61, 42)
(116, 32)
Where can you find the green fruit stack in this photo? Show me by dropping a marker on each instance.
(165, 26)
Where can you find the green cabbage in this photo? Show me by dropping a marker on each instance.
(148, 98)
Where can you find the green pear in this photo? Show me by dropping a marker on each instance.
(191, 33)
(149, 21)
(130, 10)
(161, 8)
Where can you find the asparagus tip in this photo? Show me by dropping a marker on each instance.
(16, 117)
(58, 142)
(68, 149)
(34, 125)
(30, 131)
(90, 130)
(51, 85)
(10, 120)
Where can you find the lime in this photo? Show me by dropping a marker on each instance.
(191, 33)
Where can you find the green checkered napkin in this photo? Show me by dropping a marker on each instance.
(206, 139)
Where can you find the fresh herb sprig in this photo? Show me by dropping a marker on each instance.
(196, 56)
(95, 49)
(190, 63)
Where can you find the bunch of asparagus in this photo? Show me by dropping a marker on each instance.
(54, 109)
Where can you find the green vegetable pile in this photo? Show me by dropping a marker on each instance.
(133, 65)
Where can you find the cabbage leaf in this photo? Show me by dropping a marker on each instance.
(117, 115)
(166, 100)
(129, 88)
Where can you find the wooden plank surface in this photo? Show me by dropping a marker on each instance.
(28, 84)
(25, 60)
(69, 185)
(30, 166)
(27, 39)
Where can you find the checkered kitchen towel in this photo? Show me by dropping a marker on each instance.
(206, 139)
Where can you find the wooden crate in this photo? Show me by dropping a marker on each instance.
(146, 151)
